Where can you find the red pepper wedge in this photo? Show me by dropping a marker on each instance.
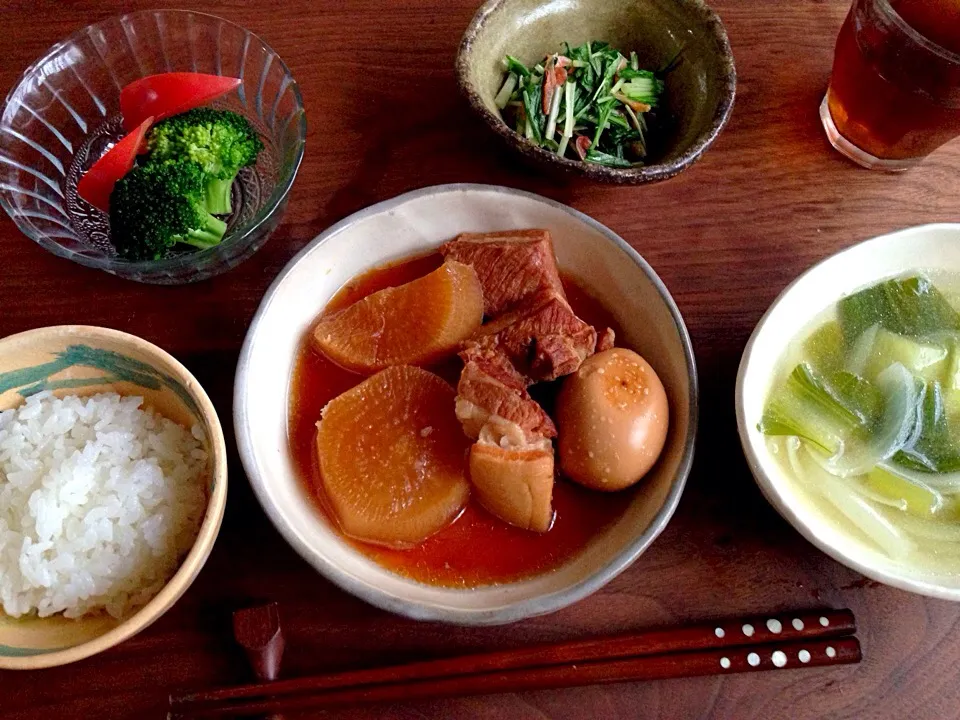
(166, 94)
(97, 183)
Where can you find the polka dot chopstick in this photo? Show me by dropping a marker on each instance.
(768, 642)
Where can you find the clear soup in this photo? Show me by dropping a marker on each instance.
(864, 416)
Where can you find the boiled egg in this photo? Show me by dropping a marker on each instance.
(612, 420)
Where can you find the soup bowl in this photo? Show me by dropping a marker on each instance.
(416, 223)
(82, 360)
(927, 247)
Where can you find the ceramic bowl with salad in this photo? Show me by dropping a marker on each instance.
(848, 406)
(158, 146)
(627, 92)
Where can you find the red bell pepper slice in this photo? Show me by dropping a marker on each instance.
(97, 183)
(160, 96)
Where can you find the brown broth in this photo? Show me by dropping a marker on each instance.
(477, 548)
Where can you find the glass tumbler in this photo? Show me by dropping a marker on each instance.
(894, 93)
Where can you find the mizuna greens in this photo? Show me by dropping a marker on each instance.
(869, 419)
(590, 103)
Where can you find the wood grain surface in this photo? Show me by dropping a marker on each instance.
(767, 201)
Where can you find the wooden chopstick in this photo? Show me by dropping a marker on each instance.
(750, 658)
(520, 665)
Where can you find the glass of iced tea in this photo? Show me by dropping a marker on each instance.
(894, 94)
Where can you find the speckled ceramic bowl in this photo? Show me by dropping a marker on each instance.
(699, 91)
(416, 223)
(74, 359)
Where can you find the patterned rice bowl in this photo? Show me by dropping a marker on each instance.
(81, 360)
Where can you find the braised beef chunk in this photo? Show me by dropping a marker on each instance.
(543, 337)
(532, 335)
(512, 265)
(606, 340)
(495, 365)
(492, 391)
(555, 356)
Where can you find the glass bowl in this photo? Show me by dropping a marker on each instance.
(64, 113)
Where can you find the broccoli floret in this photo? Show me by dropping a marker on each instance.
(156, 206)
(220, 141)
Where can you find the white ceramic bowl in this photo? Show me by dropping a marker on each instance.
(927, 247)
(415, 223)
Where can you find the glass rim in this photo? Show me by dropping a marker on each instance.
(914, 34)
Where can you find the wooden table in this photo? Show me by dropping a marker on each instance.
(766, 202)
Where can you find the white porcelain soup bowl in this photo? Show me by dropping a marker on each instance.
(413, 224)
(927, 247)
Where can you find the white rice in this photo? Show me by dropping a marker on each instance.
(99, 501)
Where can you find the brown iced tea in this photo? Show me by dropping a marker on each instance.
(894, 94)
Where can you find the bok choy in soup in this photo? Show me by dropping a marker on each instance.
(866, 417)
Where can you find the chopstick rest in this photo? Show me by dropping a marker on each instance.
(257, 630)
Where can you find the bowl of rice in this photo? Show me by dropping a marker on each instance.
(113, 485)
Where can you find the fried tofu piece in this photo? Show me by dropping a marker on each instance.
(511, 265)
(515, 483)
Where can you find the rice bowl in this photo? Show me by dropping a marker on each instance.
(86, 361)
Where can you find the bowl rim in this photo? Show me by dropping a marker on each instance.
(517, 610)
(638, 175)
(769, 487)
(193, 563)
(111, 265)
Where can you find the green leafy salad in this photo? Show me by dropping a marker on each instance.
(871, 415)
(591, 103)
